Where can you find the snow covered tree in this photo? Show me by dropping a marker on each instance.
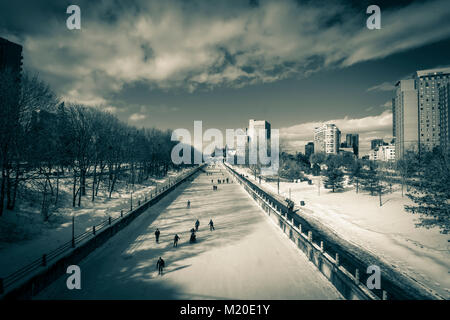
(407, 166)
(432, 192)
(334, 176)
(370, 179)
(356, 173)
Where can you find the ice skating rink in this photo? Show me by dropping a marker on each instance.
(246, 257)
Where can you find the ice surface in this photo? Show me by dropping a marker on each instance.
(245, 257)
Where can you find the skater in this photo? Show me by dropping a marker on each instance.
(193, 237)
(197, 224)
(157, 235)
(227, 180)
(188, 204)
(211, 225)
(160, 265)
(175, 240)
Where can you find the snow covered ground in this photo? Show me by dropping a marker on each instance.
(245, 257)
(388, 232)
(44, 237)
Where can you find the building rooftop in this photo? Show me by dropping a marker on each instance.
(433, 72)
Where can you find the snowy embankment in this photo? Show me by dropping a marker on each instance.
(42, 237)
(387, 232)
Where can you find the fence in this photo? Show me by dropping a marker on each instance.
(339, 264)
(43, 266)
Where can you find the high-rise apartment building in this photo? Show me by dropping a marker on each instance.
(428, 83)
(405, 110)
(444, 108)
(327, 139)
(417, 111)
(10, 56)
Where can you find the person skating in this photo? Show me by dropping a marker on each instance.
(197, 224)
(193, 237)
(211, 225)
(160, 265)
(175, 240)
(189, 204)
(157, 235)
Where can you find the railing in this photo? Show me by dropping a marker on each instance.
(332, 250)
(35, 266)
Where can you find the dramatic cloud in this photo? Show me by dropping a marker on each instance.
(204, 44)
(295, 137)
(385, 86)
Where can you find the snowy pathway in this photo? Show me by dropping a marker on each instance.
(246, 257)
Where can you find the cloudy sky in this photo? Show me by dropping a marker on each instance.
(294, 63)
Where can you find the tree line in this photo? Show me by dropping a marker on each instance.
(44, 140)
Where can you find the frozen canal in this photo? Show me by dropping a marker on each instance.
(245, 257)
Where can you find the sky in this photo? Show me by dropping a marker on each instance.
(293, 63)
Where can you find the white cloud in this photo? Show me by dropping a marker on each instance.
(169, 45)
(137, 117)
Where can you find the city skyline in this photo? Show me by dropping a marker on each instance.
(124, 61)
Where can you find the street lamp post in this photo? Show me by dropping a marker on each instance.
(131, 200)
(73, 231)
(278, 184)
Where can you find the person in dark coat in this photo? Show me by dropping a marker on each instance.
(175, 240)
(211, 225)
(197, 224)
(189, 204)
(157, 235)
(160, 265)
(193, 237)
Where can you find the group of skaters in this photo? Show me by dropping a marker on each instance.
(193, 238)
(219, 181)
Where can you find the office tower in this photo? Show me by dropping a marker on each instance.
(253, 132)
(254, 126)
(327, 139)
(10, 76)
(376, 142)
(352, 141)
(309, 149)
(444, 108)
(393, 118)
